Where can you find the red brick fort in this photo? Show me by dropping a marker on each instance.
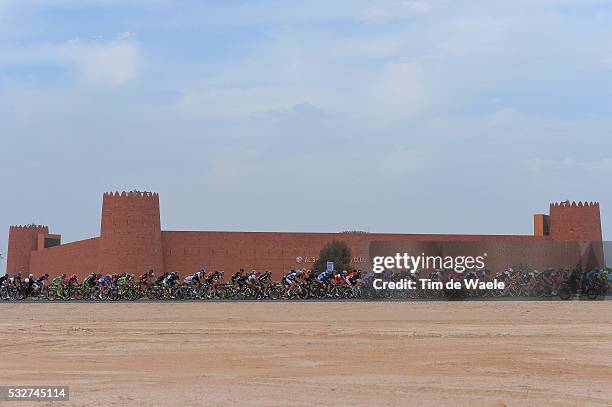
(131, 240)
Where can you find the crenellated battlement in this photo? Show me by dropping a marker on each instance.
(131, 194)
(31, 226)
(575, 221)
(573, 204)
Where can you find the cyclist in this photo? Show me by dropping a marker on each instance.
(143, 280)
(369, 278)
(29, 283)
(107, 280)
(161, 279)
(339, 277)
(172, 278)
(242, 279)
(169, 282)
(595, 277)
(304, 277)
(289, 278)
(236, 276)
(325, 277)
(122, 282)
(264, 278)
(352, 278)
(58, 279)
(40, 283)
(4, 279)
(253, 278)
(213, 278)
(56, 285)
(41, 280)
(589, 276)
(471, 275)
(90, 281)
(16, 279)
(69, 283)
(104, 282)
(195, 280)
(199, 276)
(117, 277)
(547, 276)
(573, 280)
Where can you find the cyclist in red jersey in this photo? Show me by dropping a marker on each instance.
(144, 278)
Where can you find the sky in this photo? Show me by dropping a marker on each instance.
(437, 116)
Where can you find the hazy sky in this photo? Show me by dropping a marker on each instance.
(413, 116)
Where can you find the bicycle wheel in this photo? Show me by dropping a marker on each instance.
(564, 293)
(77, 294)
(273, 293)
(592, 293)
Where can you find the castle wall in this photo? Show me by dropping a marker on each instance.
(575, 221)
(186, 252)
(579, 222)
(131, 241)
(498, 255)
(130, 233)
(23, 240)
(80, 258)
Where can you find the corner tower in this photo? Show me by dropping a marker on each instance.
(23, 240)
(575, 221)
(130, 233)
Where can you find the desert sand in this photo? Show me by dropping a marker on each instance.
(304, 354)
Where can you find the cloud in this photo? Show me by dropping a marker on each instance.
(95, 62)
(107, 64)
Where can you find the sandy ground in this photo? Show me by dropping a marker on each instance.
(304, 354)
